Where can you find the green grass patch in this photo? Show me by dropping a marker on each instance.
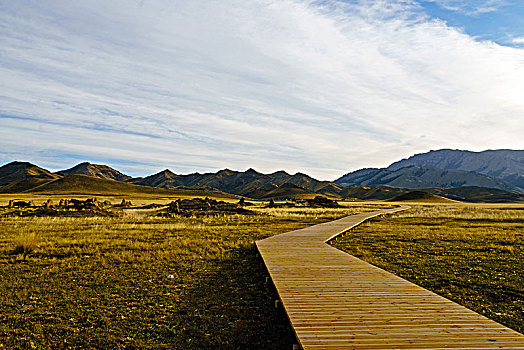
(470, 254)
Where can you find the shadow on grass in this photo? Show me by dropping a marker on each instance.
(233, 308)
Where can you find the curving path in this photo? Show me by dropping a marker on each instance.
(336, 301)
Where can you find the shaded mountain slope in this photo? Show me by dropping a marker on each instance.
(164, 179)
(506, 165)
(421, 177)
(249, 183)
(375, 192)
(16, 171)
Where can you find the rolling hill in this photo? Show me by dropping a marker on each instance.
(23, 185)
(83, 184)
(471, 194)
(422, 197)
(287, 190)
(477, 194)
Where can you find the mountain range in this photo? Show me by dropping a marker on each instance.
(505, 165)
(500, 169)
(249, 183)
(492, 176)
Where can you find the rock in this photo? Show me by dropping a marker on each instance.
(323, 202)
(125, 204)
(174, 207)
(201, 205)
(22, 204)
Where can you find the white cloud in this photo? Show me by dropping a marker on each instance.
(319, 87)
(519, 41)
(471, 8)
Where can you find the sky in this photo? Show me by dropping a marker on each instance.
(322, 87)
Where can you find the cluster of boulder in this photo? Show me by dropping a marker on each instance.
(90, 203)
(317, 202)
(322, 202)
(198, 204)
(20, 204)
(76, 204)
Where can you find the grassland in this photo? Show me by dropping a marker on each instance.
(472, 254)
(137, 281)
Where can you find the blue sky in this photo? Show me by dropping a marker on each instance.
(501, 21)
(321, 87)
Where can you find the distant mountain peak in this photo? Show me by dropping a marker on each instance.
(17, 170)
(226, 171)
(100, 171)
(280, 172)
(19, 163)
(166, 172)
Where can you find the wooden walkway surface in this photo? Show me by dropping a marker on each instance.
(336, 301)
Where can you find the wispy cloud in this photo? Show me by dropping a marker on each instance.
(518, 40)
(471, 8)
(315, 86)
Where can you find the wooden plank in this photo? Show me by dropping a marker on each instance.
(337, 301)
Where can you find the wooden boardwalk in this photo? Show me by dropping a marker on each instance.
(336, 301)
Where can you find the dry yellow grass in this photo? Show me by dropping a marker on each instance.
(141, 281)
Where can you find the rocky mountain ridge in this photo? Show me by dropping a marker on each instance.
(505, 165)
(422, 176)
(457, 181)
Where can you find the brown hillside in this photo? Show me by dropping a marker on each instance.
(288, 191)
(421, 196)
(23, 185)
(83, 184)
